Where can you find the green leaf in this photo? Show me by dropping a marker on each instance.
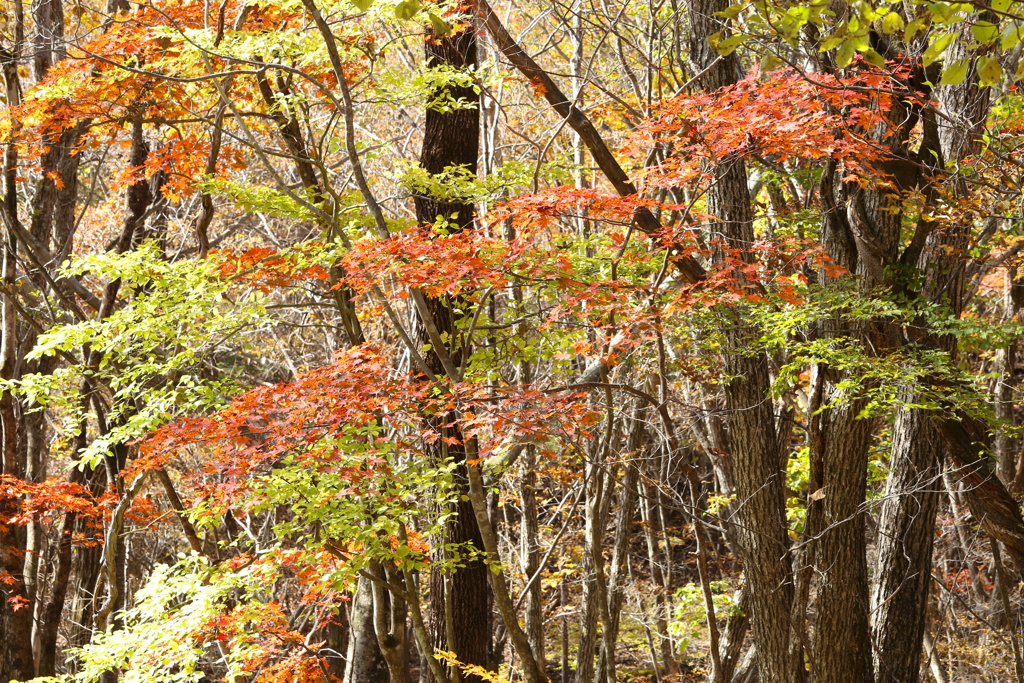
(769, 63)
(985, 32)
(831, 42)
(849, 48)
(990, 71)
(362, 5)
(873, 57)
(730, 12)
(442, 28)
(1001, 5)
(892, 22)
(913, 28)
(938, 48)
(407, 9)
(955, 73)
(1012, 35)
(729, 45)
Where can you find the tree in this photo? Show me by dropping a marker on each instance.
(337, 330)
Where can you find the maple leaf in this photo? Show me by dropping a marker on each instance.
(18, 602)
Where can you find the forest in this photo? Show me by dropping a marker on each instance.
(536, 341)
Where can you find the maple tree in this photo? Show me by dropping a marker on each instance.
(351, 339)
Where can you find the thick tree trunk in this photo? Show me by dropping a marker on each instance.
(450, 138)
(734, 632)
(17, 662)
(761, 525)
(905, 540)
(842, 646)
(864, 240)
(48, 38)
(365, 662)
(987, 498)
(460, 611)
(904, 556)
(762, 530)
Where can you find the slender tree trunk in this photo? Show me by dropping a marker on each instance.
(389, 624)
(592, 571)
(87, 567)
(628, 496)
(529, 552)
(649, 516)
(51, 616)
(563, 602)
(1006, 445)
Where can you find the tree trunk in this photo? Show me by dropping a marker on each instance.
(365, 662)
(1006, 445)
(529, 551)
(592, 570)
(842, 646)
(48, 39)
(389, 624)
(17, 662)
(905, 536)
(905, 540)
(51, 616)
(459, 601)
(762, 529)
(659, 584)
(628, 496)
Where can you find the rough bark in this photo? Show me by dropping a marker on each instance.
(60, 580)
(459, 601)
(17, 661)
(968, 447)
(734, 631)
(48, 38)
(905, 540)
(903, 564)
(842, 646)
(451, 137)
(760, 514)
(864, 238)
(762, 529)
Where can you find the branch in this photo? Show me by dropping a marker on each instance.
(688, 268)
